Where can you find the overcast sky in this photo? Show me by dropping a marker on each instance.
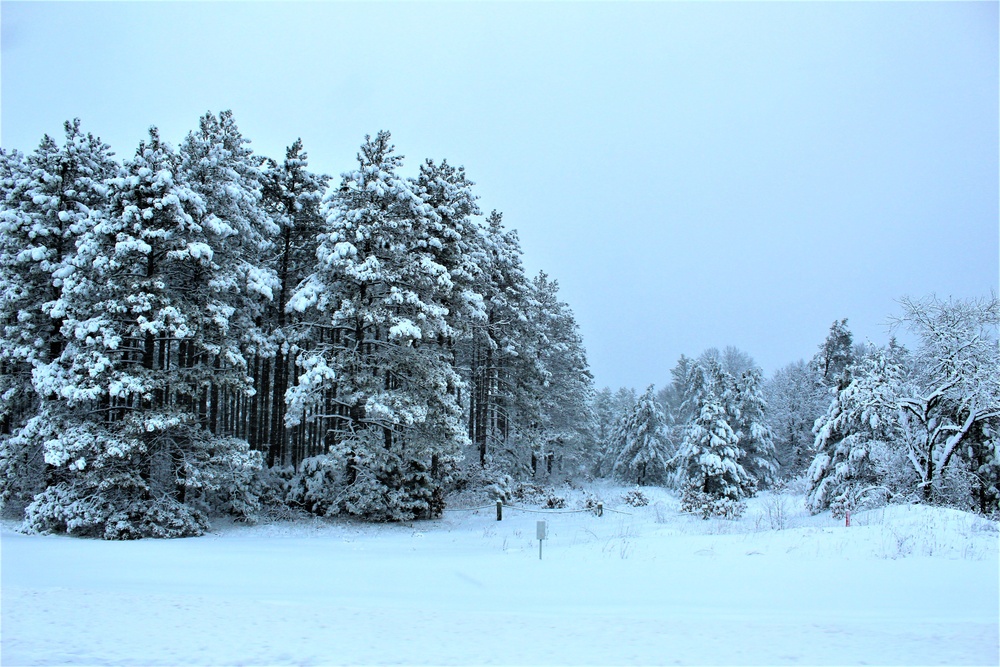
(693, 175)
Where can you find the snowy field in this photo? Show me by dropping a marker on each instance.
(901, 586)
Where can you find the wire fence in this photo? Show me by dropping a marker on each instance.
(468, 509)
(592, 510)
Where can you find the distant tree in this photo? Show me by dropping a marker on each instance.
(835, 356)
(674, 397)
(610, 410)
(642, 442)
(795, 400)
(861, 421)
(563, 433)
(755, 438)
(713, 481)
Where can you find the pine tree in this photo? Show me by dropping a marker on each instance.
(642, 442)
(127, 441)
(380, 295)
(562, 433)
(502, 356)
(713, 480)
(835, 356)
(48, 199)
(292, 197)
(862, 420)
(755, 438)
(714, 483)
(219, 167)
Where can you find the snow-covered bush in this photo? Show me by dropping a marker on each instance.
(707, 505)
(22, 473)
(635, 498)
(235, 480)
(554, 501)
(529, 493)
(317, 486)
(385, 486)
(68, 508)
(482, 483)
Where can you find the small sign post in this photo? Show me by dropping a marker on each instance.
(540, 532)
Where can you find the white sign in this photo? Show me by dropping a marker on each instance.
(541, 530)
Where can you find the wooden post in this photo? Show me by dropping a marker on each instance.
(499, 510)
(600, 509)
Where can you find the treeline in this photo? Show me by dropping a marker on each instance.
(204, 329)
(857, 426)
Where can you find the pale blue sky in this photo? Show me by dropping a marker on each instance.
(694, 175)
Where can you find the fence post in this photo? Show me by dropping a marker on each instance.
(600, 509)
(499, 510)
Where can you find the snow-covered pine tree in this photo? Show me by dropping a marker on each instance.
(642, 448)
(16, 395)
(836, 355)
(755, 438)
(455, 241)
(502, 356)
(714, 482)
(379, 295)
(863, 419)
(47, 200)
(237, 285)
(605, 417)
(675, 396)
(292, 197)
(562, 435)
(712, 479)
(129, 452)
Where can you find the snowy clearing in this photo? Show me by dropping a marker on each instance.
(901, 586)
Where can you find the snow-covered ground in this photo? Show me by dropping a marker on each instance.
(902, 585)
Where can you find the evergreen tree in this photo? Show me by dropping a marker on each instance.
(710, 473)
(48, 199)
(292, 196)
(220, 169)
(126, 441)
(755, 438)
(502, 356)
(563, 431)
(714, 481)
(642, 441)
(862, 420)
(380, 296)
(835, 356)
